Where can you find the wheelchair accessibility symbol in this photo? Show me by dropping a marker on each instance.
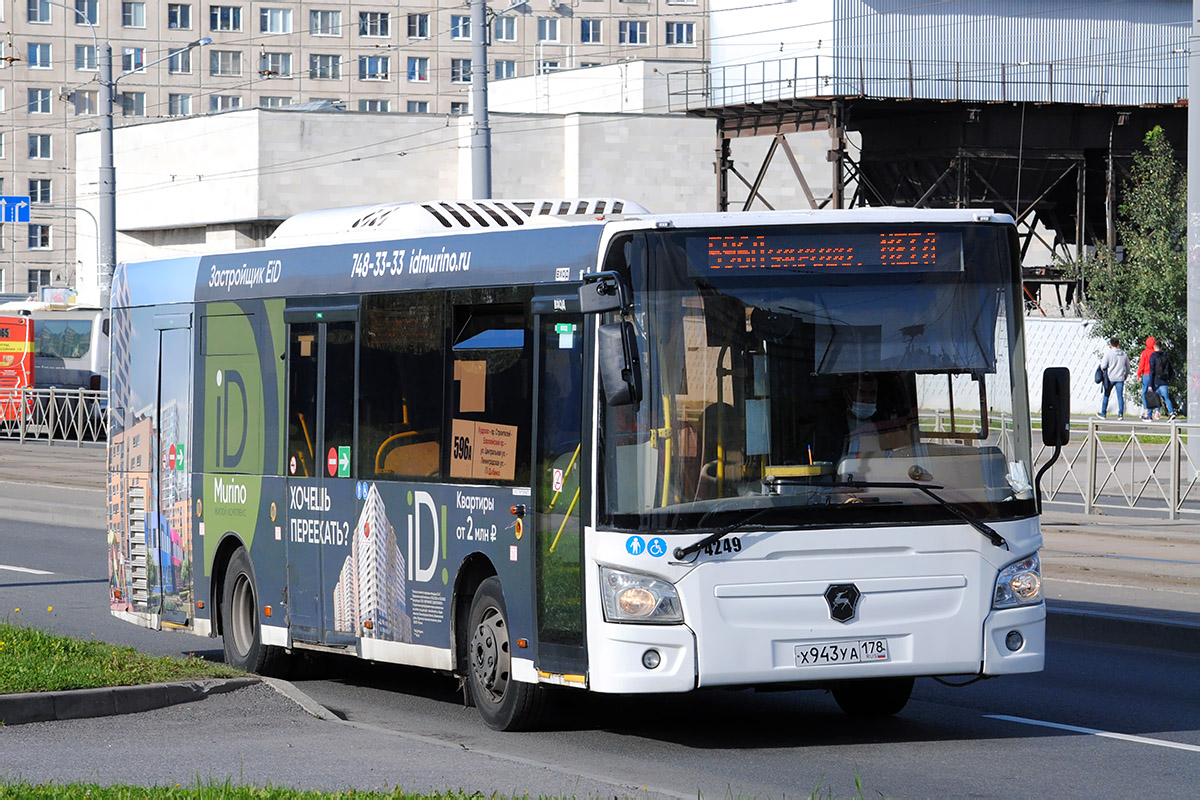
(635, 545)
(657, 547)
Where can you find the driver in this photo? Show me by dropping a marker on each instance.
(875, 427)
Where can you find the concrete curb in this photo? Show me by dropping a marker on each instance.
(310, 706)
(18, 709)
(1180, 634)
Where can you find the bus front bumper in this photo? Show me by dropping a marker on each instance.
(620, 655)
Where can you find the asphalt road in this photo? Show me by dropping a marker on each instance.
(1128, 723)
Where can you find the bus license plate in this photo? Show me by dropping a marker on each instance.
(843, 652)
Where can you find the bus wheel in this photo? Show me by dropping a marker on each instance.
(881, 697)
(504, 704)
(241, 633)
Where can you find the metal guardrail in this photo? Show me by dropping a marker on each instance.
(54, 415)
(806, 77)
(1109, 465)
(1125, 465)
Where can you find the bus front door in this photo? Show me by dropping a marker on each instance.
(171, 574)
(321, 501)
(560, 460)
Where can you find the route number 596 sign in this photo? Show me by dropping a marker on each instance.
(482, 450)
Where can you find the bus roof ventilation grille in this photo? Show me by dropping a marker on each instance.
(416, 219)
(511, 213)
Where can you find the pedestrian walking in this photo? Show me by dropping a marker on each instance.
(1160, 375)
(1143, 372)
(1115, 369)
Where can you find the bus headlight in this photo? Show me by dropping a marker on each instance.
(630, 597)
(1019, 584)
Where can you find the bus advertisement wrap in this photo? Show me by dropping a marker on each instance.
(631, 455)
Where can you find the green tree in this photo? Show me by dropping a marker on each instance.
(1145, 294)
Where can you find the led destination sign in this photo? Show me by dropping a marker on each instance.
(859, 251)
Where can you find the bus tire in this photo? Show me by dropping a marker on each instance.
(241, 633)
(879, 697)
(504, 704)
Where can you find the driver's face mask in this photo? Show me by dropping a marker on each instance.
(862, 410)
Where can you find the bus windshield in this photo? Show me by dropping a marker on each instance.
(820, 375)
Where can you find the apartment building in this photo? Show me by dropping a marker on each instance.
(375, 57)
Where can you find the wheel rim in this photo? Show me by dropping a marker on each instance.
(490, 655)
(241, 615)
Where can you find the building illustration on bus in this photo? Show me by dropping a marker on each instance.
(570, 443)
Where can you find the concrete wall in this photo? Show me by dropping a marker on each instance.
(1074, 344)
(631, 87)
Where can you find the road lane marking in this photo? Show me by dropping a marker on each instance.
(26, 569)
(1125, 558)
(1125, 737)
(1052, 578)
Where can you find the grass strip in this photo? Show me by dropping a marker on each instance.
(227, 791)
(209, 791)
(35, 661)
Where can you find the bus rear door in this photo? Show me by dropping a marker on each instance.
(321, 414)
(172, 529)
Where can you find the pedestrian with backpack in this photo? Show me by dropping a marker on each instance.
(1161, 373)
(1115, 369)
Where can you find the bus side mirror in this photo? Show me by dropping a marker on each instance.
(620, 372)
(1056, 406)
(601, 292)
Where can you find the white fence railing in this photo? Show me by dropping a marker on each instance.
(1115, 465)
(64, 415)
(1134, 465)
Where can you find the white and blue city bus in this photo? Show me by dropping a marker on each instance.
(574, 443)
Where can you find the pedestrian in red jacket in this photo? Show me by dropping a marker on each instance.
(1143, 372)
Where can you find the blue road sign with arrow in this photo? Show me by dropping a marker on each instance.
(14, 209)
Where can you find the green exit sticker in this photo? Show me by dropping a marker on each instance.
(344, 461)
(179, 458)
(566, 335)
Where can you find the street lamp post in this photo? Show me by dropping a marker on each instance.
(481, 133)
(108, 179)
(108, 172)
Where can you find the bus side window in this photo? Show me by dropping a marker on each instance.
(490, 403)
(400, 386)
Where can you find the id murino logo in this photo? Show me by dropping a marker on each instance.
(229, 382)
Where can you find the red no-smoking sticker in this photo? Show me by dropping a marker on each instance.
(332, 461)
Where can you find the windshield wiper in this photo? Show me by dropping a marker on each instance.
(990, 533)
(986, 530)
(681, 553)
